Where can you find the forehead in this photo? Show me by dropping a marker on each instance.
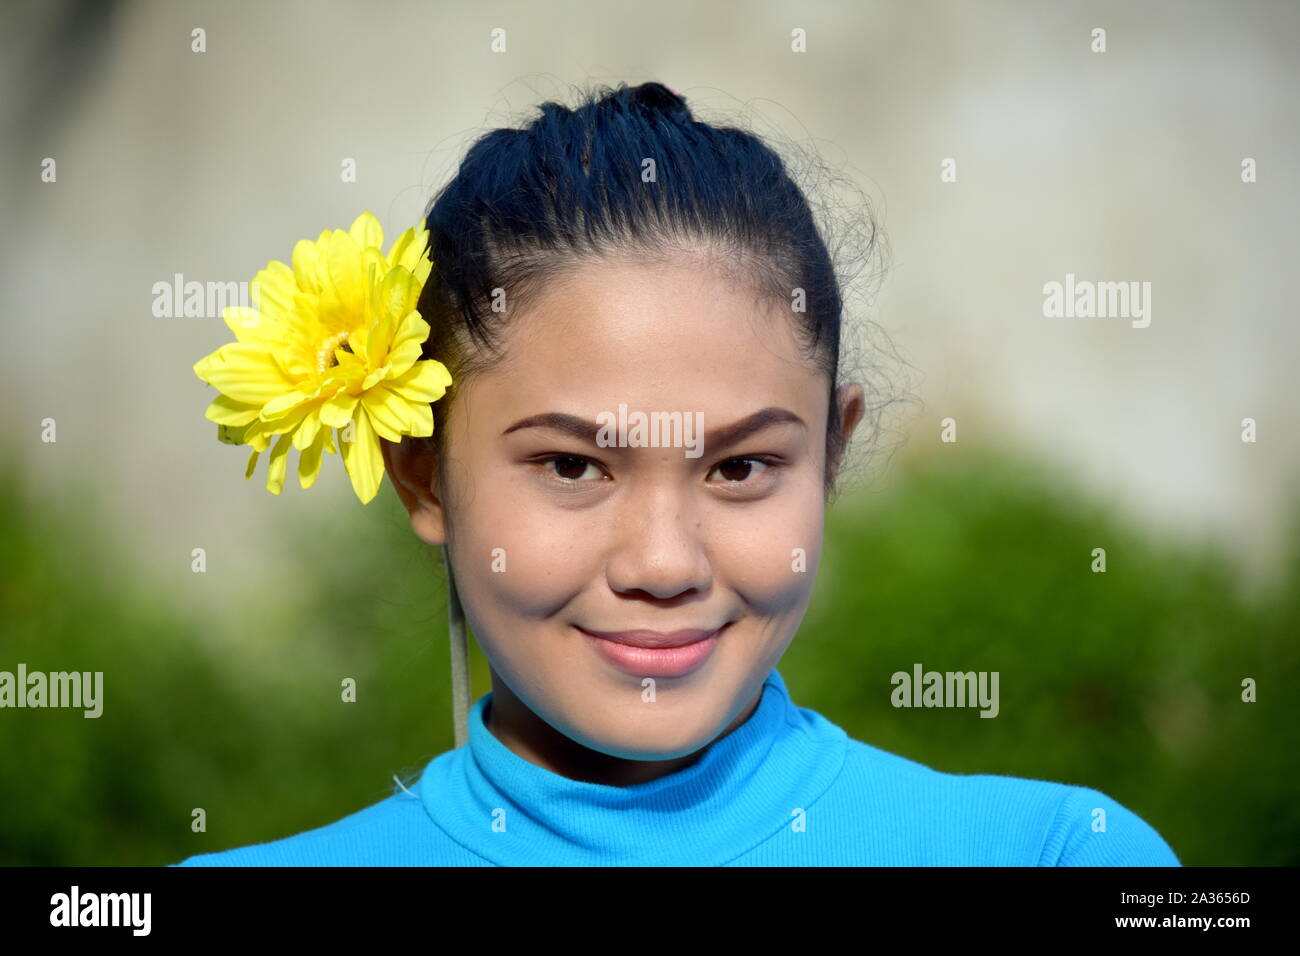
(671, 335)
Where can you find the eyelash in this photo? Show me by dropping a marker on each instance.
(767, 461)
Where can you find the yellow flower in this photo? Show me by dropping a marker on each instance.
(332, 343)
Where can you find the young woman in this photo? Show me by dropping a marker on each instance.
(629, 476)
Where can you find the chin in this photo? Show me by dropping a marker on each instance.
(650, 731)
(648, 750)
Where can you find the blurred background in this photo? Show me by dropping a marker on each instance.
(222, 687)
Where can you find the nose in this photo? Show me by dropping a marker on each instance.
(659, 548)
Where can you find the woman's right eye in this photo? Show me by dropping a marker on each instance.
(571, 467)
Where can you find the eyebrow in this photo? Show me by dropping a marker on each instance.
(722, 436)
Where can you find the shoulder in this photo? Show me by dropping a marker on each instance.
(1091, 829)
(396, 831)
(920, 815)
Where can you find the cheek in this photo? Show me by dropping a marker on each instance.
(769, 556)
(522, 561)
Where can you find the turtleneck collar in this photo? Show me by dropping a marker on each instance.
(744, 789)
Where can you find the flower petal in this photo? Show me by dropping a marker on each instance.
(252, 326)
(363, 460)
(411, 252)
(227, 411)
(426, 381)
(393, 297)
(400, 292)
(275, 287)
(408, 248)
(309, 460)
(367, 231)
(343, 295)
(259, 433)
(307, 267)
(308, 433)
(403, 357)
(336, 412)
(244, 372)
(278, 407)
(413, 328)
(279, 464)
(387, 413)
(421, 419)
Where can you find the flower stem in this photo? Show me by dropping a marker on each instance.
(460, 686)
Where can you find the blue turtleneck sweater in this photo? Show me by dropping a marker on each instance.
(785, 788)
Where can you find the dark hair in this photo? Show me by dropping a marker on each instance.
(529, 203)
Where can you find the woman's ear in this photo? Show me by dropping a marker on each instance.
(412, 465)
(852, 408)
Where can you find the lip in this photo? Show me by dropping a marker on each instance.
(645, 653)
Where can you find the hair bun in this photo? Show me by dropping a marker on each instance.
(656, 96)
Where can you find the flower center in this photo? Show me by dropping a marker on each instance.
(325, 357)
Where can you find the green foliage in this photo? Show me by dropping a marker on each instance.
(254, 730)
(1127, 681)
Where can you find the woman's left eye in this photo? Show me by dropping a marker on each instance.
(741, 470)
(571, 468)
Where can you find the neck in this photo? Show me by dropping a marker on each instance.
(512, 722)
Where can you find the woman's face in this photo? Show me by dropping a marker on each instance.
(557, 537)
